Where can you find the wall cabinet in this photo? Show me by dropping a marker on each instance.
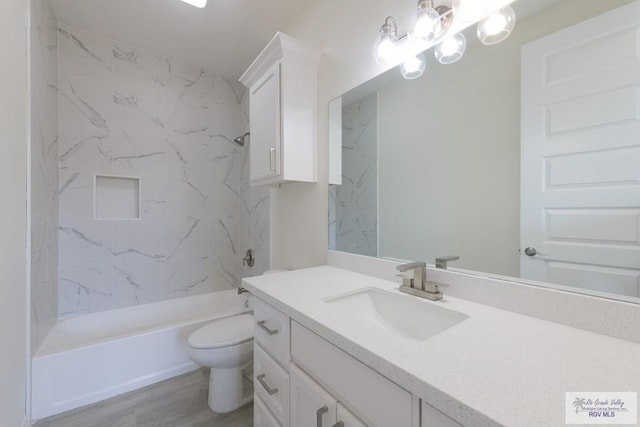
(282, 95)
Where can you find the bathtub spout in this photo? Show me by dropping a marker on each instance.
(242, 290)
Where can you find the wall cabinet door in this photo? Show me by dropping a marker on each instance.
(264, 145)
(311, 405)
(346, 418)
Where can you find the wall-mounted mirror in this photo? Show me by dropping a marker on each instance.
(523, 158)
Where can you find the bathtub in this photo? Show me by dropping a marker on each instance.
(92, 357)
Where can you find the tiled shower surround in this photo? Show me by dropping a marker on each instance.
(128, 112)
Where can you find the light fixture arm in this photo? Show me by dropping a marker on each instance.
(390, 26)
(446, 19)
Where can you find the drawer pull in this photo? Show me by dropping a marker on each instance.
(263, 383)
(319, 413)
(262, 326)
(339, 424)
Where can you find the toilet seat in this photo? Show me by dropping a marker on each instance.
(225, 332)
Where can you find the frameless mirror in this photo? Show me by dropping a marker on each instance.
(522, 158)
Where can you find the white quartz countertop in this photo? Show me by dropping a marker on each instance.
(496, 367)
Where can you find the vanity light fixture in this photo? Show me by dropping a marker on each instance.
(196, 3)
(385, 49)
(497, 26)
(431, 25)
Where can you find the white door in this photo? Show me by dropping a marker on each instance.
(311, 405)
(581, 155)
(264, 145)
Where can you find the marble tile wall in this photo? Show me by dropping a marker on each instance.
(353, 206)
(44, 170)
(129, 112)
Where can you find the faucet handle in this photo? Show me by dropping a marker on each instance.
(441, 262)
(411, 266)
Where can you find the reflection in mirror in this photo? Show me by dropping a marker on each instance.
(522, 158)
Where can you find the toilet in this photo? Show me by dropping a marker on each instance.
(225, 346)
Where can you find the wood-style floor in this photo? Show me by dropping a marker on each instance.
(178, 402)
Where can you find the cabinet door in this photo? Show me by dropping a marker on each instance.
(347, 419)
(261, 415)
(311, 405)
(264, 145)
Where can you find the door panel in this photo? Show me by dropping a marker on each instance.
(581, 154)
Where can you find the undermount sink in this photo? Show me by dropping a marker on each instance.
(404, 315)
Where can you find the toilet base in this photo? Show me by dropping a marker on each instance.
(227, 391)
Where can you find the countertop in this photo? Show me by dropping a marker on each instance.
(495, 368)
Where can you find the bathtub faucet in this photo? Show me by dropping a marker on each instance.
(242, 290)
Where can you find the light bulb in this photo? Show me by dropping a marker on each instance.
(497, 26)
(413, 67)
(426, 26)
(449, 46)
(385, 48)
(469, 10)
(451, 49)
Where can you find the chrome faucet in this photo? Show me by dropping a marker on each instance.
(419, 285)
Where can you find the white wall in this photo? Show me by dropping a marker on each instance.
(13, 173)
(344, 31)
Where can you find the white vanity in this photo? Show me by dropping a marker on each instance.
(338, 348)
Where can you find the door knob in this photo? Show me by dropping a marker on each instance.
(532, 252)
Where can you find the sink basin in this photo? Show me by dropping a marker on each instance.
(405, 315)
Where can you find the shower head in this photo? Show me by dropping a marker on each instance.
(240, 140)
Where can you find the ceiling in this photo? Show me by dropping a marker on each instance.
(224, 37)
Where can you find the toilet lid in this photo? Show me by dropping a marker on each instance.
(224, 332)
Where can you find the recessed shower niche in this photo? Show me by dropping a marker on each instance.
(116, 197)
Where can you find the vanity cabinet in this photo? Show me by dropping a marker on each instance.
(282, 95)
(301, 380)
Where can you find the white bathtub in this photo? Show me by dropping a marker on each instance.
(93, 357)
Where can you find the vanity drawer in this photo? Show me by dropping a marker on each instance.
(262, 417)
(372, 397)
(272, 332)
(271, 384)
